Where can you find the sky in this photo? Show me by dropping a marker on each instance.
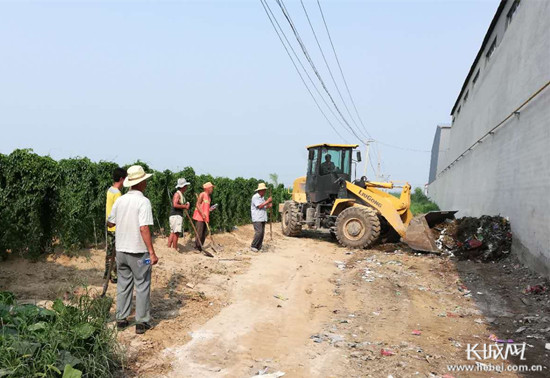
(208, 84)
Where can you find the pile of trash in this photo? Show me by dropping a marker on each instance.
(488, 238)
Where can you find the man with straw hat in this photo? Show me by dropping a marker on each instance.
(132, 214)
(113, 193)
(258, 211)
(179, 204)
(202, 214)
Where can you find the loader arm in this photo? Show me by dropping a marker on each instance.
(395, 210)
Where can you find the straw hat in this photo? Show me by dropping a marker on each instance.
(208, 185)
(181, 183)
(261, 186)
(136, 174)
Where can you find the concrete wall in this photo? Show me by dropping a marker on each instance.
(509, 173)
(440, 149)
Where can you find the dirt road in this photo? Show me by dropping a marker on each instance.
(283, 298)
(306, 307)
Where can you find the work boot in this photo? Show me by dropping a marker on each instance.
(142, 327)
(121, 324)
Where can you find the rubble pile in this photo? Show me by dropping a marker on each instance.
(488, 238)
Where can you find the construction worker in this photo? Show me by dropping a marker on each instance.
(178, 206)
(135, 254)
(258, 207)
(202, 214)
(119, 174)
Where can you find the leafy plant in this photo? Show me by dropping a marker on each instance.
(420, 203)
(274, 179)
(42, 201)
(70, 340)
(28, 202)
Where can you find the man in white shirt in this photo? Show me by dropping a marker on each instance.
(258, 207)
(132, 215)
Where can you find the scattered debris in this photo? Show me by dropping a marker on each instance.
(316, 338)
(537, 289)
(278, 296)
(387, 352)
(330, 337)
(486, 238)
(495, 339)
(547, 346)
(277, 374)
(340, 264)
(416, 332)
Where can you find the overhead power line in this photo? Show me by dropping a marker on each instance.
(340, 67)
(342, 120)
(312, 64)
(328, 66)
(266, 7)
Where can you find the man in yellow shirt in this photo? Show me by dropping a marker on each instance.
(119, 174)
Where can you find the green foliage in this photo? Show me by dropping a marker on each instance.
(29, 190)
(81, 208)
(69, 340)
(42, 200)
(420, 203)
(274, 179)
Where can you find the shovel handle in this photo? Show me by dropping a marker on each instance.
(193, 225)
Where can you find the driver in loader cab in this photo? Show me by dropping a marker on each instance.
(327, 166)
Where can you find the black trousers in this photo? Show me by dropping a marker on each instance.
(201, 231)
(259, 231)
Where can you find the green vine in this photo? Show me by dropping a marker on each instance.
(44, 202)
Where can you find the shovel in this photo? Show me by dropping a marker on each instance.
(218, 246)
(109, 270)
(270, 218)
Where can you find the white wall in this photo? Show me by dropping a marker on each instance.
(509, 173)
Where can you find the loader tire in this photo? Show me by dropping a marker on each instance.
(357, 227)
(290, 219)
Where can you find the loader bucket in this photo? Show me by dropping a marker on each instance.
(419, 235)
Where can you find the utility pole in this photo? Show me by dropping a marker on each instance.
(379, 170)
(367, 143)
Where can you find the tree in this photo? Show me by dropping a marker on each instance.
(274, 179)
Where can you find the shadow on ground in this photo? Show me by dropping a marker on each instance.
(499, 289)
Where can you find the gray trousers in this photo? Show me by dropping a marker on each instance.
(259, 230)
(130, 274)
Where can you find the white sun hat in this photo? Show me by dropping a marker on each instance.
(136, 174)
(261, 186)
(181, 183)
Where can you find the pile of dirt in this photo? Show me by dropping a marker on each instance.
(487, 238)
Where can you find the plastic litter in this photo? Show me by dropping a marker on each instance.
(278, 296)
(547, 346)
(520, 329)
(386, 352)
(277, 374)
(537, 289)
(495, 339)
(416, 332)
(340, 264)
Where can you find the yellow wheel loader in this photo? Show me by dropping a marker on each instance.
(356, 213)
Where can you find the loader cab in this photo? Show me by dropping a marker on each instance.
(326, 164)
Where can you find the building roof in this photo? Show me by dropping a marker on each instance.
(480, 52)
